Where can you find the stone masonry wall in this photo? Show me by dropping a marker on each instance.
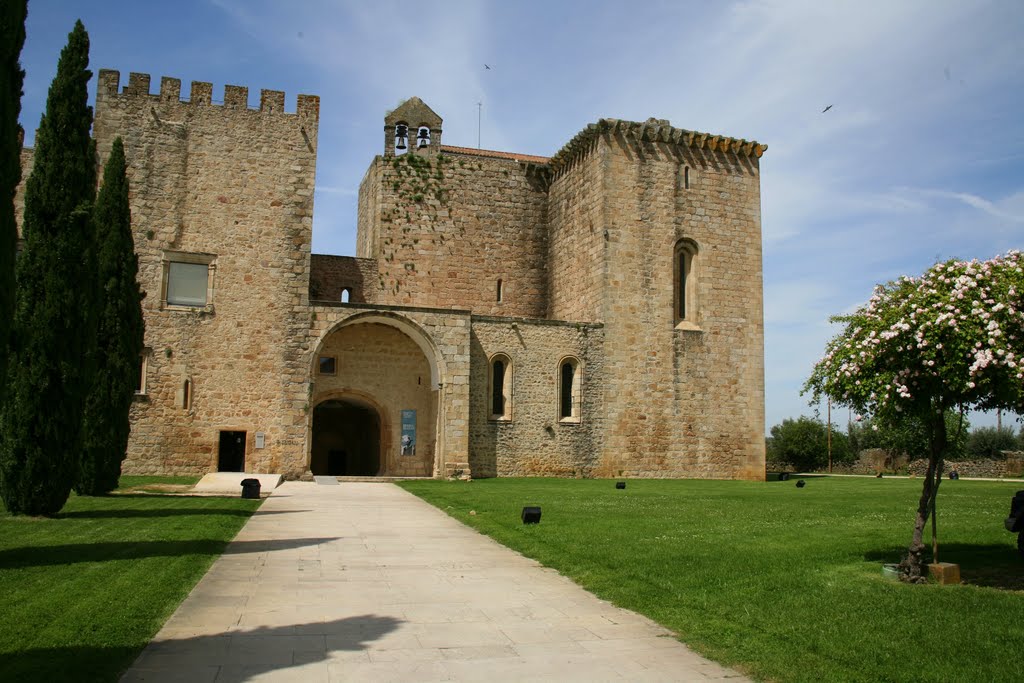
(444, 338)
(329, 275)
(445, 228)
(534, 442)
(236, 185)
(686, 400)
(383, 365)
(577, 241)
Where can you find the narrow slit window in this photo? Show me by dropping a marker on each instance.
(685, 295)
(500, 388)
(569, 390)
(497, 395)
(682, 285)
(499, 291)
(186, 394)
(565, 407)
(140, 387)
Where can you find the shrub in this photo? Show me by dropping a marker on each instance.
(803, 443)
(987, 442)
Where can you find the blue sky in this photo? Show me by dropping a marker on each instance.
(920, 158)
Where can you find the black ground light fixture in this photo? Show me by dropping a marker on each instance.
(800, 484)
(620, 484)
(531, 515)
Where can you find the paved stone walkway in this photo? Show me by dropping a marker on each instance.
(365, 582)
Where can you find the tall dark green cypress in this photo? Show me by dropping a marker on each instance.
(12, 37)
(54, 333)
(119, 332)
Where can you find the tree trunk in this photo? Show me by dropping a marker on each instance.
(912, 566)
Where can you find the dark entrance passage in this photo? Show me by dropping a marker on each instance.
(231, 454)
(346, 439)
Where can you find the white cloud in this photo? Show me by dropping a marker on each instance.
(1011, 209)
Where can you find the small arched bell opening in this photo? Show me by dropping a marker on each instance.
(346, 439)
(422, 137)
(401, 137)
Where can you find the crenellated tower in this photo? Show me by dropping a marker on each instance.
(222, 209)
(655, 231)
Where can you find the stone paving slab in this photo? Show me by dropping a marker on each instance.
(365, 582)
(231, 482)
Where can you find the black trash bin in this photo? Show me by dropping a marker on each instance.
(251, 488)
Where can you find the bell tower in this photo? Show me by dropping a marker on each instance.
(412, 127)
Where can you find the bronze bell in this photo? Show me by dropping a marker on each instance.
(402, 134)
(423, 139)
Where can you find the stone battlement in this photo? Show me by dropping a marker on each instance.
(652, 130)
(201, 94)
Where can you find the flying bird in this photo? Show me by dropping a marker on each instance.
(826, 109)
(487, 67)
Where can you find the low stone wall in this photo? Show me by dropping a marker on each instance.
(1011, 465)
(875, 460)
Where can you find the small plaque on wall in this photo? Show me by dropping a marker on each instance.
(408, 432)
(261, 439)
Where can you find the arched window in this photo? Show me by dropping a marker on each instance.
(499, 385)
(570, 390)
(346, 294)
(685, 282)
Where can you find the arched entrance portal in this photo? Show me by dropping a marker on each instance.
(374, 375)
(346, 439)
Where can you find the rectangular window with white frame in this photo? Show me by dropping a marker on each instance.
(188, 281)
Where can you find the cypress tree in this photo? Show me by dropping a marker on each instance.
(119, 332)
(53, 335)
(12, 37)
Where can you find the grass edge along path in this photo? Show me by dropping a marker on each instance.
(85, 591)
(780, 583)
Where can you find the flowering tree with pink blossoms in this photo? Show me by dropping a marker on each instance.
(952, 339)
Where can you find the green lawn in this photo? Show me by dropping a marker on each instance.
(779, 582)
(81, 594)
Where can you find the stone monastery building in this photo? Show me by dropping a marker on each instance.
(597, 313)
